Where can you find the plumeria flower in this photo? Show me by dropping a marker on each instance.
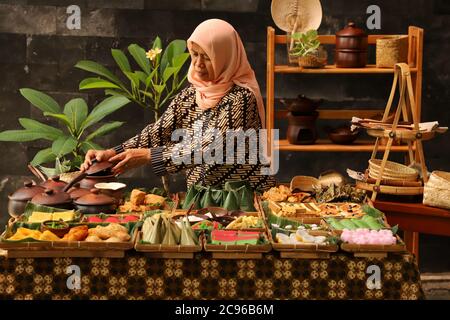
(152, 53)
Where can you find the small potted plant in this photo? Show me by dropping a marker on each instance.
(305, 47)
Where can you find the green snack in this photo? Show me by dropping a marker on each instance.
(231, 203)
(348, 224)
(169, 237)
(155, 234)
(336, 224)
(360, 224)
(373, 223)
(246, 200)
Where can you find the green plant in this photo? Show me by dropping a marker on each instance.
(304, 43)
(70, 141)
(153, 85)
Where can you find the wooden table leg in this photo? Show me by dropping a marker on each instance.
(412, 243)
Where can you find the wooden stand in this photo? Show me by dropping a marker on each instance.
(406, 108)
(415, 59)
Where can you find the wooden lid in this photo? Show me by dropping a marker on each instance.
(351, 31)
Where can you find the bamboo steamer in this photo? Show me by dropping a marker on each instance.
(437, 190)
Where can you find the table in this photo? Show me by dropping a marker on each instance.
(140, 277)
(415, 218)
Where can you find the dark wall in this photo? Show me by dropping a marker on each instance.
(38, 51)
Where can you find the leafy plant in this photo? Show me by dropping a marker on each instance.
(158, 79)
(304, 43)
(70, 140)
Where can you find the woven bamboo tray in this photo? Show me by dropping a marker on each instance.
(166, 251)
(373, 250)
(338, 233)
(401, 191)
(237, 251)
(305, 250)
(69, 249)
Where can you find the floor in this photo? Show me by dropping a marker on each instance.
(436, 285)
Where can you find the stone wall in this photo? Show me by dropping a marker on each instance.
(38, 51)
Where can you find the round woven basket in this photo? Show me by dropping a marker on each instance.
(304, 183)
(375, 174)
(392, 171)
(392, 167)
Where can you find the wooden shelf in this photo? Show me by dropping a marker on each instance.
(328, 146)
(332, 69)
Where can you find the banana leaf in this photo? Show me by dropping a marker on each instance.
(169, 237)
(155, 236)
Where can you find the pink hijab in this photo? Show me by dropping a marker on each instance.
(224, 47)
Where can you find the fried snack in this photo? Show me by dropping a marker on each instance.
(23, 233)
(49, 236)
(116, 227)
(38, 217)
(351, 210)
(101, 232)
(78, 233)
(137, 197)
(273, 194)
(129, 207)
(93, 239)
(123, 236)
(113, 239)
(154, 199)
(328, 210)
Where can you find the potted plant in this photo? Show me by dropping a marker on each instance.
(70, 140)
(159, 78)
(305, 47)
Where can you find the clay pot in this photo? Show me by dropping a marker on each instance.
(302, 104)
(351, 47)
(302, 129)
(19, 199)
(89, 182)
(95, 202)
(77, 192)
(54, 183)
(52, 198)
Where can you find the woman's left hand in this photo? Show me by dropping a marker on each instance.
(130, 159)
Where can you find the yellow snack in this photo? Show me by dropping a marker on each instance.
(137, 197)
(38, 217)
(49, 236)
(154, 199)
(65, 215)
(23, 233)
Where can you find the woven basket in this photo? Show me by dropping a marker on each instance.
(437, 190)
(304, 183)
(391, 167)
(392, 171)
(311, 61)
(392, 50)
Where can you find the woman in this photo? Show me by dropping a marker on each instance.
(224, 95)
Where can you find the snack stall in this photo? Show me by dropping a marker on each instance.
(208, 243)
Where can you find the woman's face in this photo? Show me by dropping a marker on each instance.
(203, 67)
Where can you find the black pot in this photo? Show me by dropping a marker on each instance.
(19, 199)
(95, 202)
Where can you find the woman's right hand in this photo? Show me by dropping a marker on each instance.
(99, 155)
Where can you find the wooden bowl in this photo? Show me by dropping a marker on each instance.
(343, 135)
(51, 225)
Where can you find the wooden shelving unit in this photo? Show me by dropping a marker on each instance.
(415, 58)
